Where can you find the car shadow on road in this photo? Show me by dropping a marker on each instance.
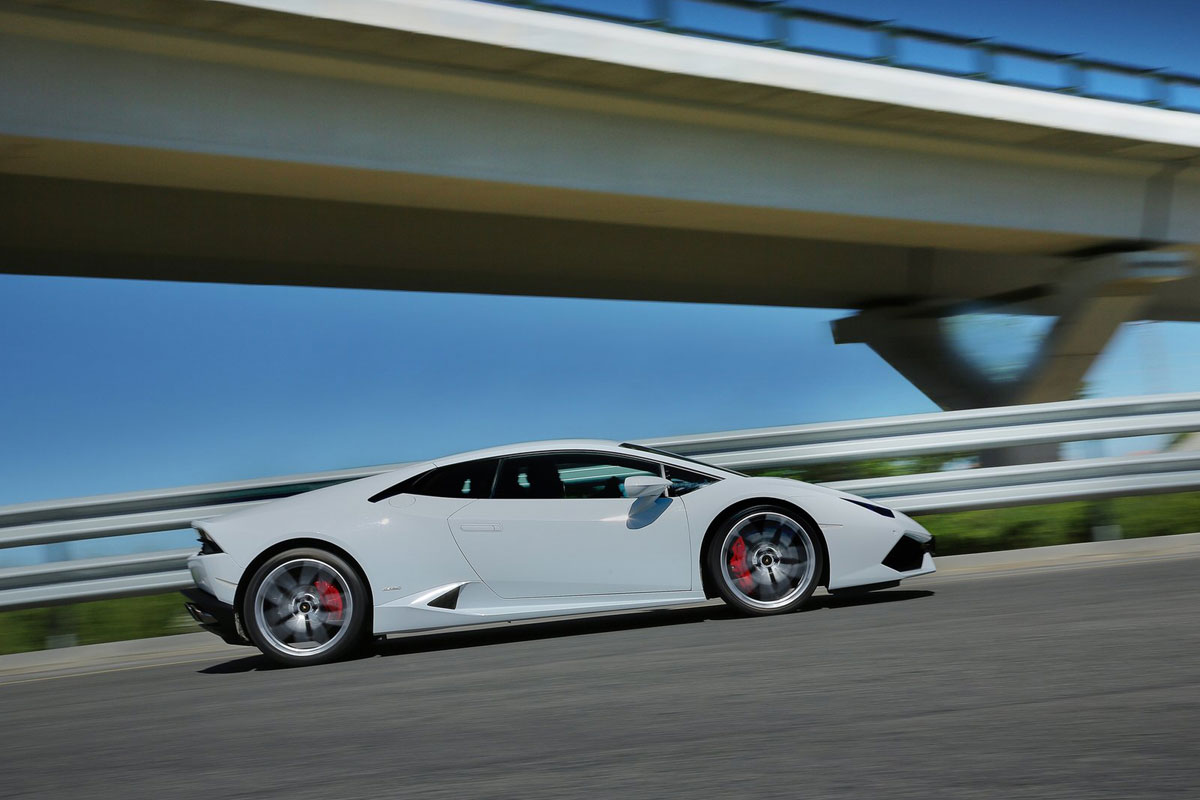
(507, 633)
(504, 633)
(868, 599)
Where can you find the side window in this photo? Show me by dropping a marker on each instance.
(468, 479)
(684, 480)
(571, 476)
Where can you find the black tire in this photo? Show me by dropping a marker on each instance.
(306, 606)
(779, 563)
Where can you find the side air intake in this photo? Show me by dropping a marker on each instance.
(449, 600)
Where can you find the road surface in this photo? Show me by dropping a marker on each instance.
(1076, 682)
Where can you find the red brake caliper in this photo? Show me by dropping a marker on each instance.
(331, 598)
(738, 567)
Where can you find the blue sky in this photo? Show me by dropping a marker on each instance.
(118, 385)
(131, 384)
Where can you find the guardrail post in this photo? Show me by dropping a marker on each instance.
(780, 31)
(1160, 91)
(1104, 525)
(1076, 77)
(61, 628)
(985, 62)
(60, 620)
(887, 44)
(661, 10)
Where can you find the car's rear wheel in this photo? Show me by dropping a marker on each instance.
(765, 560)
(305, 606)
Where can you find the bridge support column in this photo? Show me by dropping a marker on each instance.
(1094, 297)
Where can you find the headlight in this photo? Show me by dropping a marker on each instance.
(880, 510)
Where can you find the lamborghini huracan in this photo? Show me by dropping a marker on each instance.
(533, 530)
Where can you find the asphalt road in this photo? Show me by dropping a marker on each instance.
(1079, 683)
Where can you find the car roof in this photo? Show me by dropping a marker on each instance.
(557, 445)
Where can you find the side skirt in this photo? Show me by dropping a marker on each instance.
(472, 603)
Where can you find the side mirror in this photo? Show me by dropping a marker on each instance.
(646, 486)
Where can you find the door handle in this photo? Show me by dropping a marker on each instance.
(480, 527)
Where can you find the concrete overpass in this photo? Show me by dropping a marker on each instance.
(451, 145)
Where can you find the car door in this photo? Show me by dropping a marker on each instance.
(558, 524)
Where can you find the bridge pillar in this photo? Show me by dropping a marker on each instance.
(1094, 297)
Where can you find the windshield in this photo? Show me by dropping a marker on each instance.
(658, 452)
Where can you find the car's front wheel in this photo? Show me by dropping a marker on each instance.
(764, 560)
(305, 606)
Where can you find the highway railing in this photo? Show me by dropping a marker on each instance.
(783, 25)
(760, 449)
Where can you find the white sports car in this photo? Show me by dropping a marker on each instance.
(533, 530)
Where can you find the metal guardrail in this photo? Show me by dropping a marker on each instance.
(780, 25)
(763, 448)
(1025, 484)
(95, 578)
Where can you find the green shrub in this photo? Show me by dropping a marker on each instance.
(98, 621)
(1009, 528)
(1063, 523)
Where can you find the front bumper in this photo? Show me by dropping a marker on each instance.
(876, 549)
(908, 554)
(214, 616)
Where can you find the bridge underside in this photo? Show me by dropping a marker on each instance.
(192, 141)
(84, 228)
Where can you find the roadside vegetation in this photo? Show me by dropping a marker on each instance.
(92, 623)
(1063, 523)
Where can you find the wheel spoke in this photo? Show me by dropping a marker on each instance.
(767, 526)
(321, 634)
(284, 630)
(790, 574)
(286, 582)
(275, 598)
(775, 590)
(308, 574)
